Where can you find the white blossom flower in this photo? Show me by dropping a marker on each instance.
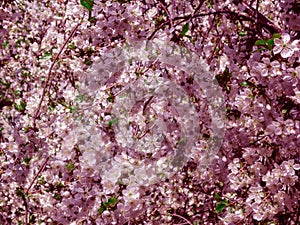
(283, 46)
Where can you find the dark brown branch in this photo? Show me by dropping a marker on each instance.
(261, 19)
(163, 5)
(49, 75)
(36, 176)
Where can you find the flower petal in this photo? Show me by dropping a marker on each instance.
(275, 64)
(286, 52)
(264, 72)
(285, 38)
(278, 41)
(277, 49)
(295, 45)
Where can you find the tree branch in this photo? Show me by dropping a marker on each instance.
(49, 75)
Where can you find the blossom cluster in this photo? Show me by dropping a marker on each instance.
(68, 141)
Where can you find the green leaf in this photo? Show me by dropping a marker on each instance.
(112, 122)
(21, 107)
(101, 210)
(260, 42)
(270, 42)
(112, 201)
(242, 33)
(20, 192)
(88, 62)
(247, 84)
(5, 43)
(57, 196)
(185, 29)
(70, 166)
(80, 98)
(92, 19)
(60, 185)
(217, 196)
(220, 206)
(17, 93)
(74, 109)
(41, 180)
(261, 49)
(72, 46)
(244, 84)
(276, 35)
(88, 4)
(32, 219)
(26, 160)
(210, 3)
(47, 55)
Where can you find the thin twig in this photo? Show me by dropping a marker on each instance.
(49, 75)
(157, 29)
(168, 13)
(182, 218)
(26, 208)
(56, 57)
(38, 173)
(30, 185)
(213, 53)
(261, 19)
(257, 5)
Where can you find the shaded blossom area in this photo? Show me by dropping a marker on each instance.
(49, 166)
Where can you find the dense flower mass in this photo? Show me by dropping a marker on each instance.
(80, 148)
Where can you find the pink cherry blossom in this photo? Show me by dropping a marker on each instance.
(50, 170)
(284, 47)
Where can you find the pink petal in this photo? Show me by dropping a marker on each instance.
(264, 72)
(261, 65)
(266, 61)
(275, 64)
(285, 38)
(277, 49)
(278, 42)
(287, 52)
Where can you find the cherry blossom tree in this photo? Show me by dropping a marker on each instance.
(58, 118)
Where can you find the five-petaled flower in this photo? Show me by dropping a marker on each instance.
(283, 46)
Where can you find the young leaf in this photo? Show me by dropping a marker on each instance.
(57, 196)
(185, 29)
(270, 43)
(70, 166)
(26, 160)
(112, 122)
(80, 98)
(244, 84)
(112, 201)
(88, 4)
(221, 206)
(5, 43)
(260, 42)
(217, 196)
(72, 46)
(276, 35)
(101, 210)
(47, 55)
(242, 33)
(21, 107)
